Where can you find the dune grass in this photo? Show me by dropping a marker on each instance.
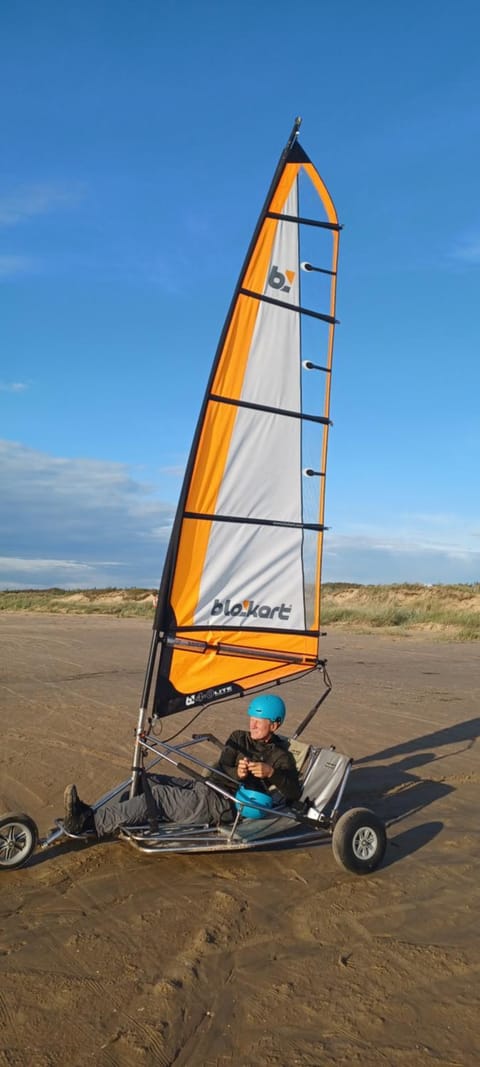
(451, 611)
(122, 602)
(443, 611)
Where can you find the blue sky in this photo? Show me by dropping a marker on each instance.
(138, 142)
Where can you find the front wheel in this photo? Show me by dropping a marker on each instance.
(18, 837)
(359, 840)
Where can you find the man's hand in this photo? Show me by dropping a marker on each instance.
(242, 767)
(259, 770)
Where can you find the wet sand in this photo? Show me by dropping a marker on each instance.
(113, 958)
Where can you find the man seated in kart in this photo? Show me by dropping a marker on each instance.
(255, 758)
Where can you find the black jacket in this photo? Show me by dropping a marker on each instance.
(285, 776)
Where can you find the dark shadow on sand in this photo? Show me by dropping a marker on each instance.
(410, 841)
(397, 790)
(394, 792)
(67, 844)
(459, 732)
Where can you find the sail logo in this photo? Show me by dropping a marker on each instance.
(248, 609)
(207, 695)
(277, 280)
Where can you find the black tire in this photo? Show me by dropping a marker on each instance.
(18, 838)
(359, 840)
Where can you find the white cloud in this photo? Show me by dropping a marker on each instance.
(175, 471)
(85, 522)
(385, 558)
(62, 519)
(13, 387)
(11, 265)
(30, 200)
(38, 566)
(17, 573)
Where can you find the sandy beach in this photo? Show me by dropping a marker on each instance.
(112, 958)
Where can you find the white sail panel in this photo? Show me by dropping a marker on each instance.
(253, 568)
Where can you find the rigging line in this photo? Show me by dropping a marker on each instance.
(305, 222)
(315, 526)
(289, 307)
(266, 407)
(183, 728)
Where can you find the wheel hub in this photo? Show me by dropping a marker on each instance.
(365, 843)
(13, 842)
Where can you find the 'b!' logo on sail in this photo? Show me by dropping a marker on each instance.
(277, 280)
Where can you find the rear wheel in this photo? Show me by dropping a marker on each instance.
(359, 840)
(18, 837)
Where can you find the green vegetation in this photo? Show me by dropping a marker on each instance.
(443, 611)
(122, 602)
(448, 611)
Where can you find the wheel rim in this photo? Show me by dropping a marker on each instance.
(15, 844)
(365, 843)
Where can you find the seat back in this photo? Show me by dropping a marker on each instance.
(321, 772)
(299, 750)
(323, 777)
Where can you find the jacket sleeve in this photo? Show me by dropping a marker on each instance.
(231, 753)
(285, 776)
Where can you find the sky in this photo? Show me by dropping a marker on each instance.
(139, 139)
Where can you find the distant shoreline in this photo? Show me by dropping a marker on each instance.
(445, 612)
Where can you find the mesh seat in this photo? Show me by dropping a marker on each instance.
(321, 772)
(323, 777)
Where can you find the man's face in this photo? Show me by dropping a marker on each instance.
(261, 729)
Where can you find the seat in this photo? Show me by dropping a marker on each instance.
(323, 777)
(321, 772)
(300, 750)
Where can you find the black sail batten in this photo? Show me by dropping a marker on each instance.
(225, 650)
(304, 221)
(249, 520)
(320, 419)
(289, 307)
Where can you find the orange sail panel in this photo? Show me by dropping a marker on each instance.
(240, 595)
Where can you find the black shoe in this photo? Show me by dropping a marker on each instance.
(78, 816)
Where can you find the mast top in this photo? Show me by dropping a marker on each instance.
(293, 136)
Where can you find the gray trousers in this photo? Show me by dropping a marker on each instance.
(176, 800)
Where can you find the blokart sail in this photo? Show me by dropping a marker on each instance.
(239, 601)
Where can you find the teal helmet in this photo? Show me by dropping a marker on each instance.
(242, 798)
(267, 706)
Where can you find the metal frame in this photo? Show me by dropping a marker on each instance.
(282, 826)
(182, 838)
